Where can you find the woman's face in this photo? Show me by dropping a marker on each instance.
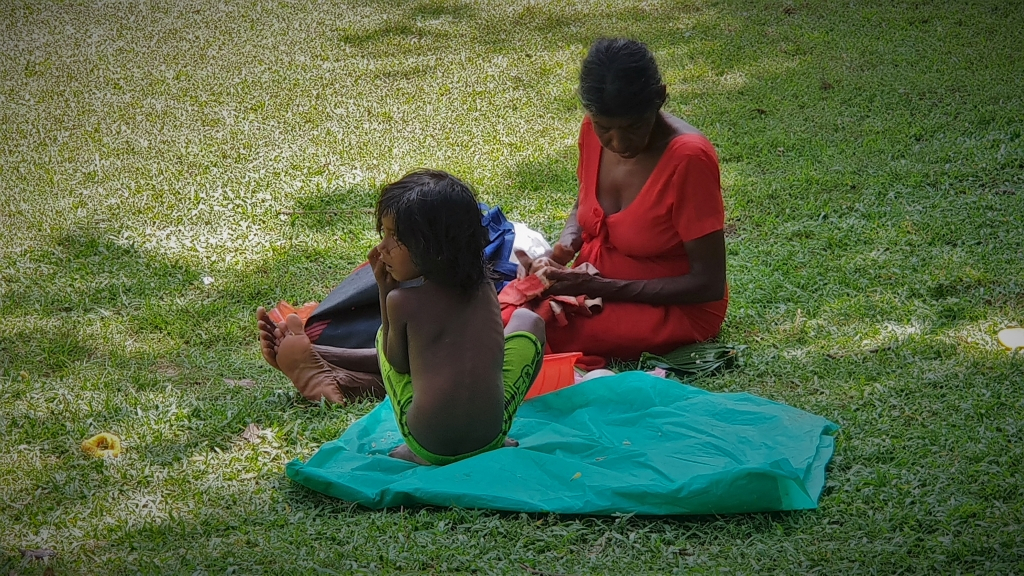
(627, 136)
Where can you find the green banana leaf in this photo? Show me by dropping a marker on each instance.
(695, 359)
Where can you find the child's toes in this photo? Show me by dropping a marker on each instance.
(511, 442)
(404, 453)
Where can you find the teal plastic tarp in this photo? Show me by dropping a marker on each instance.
(631, 443)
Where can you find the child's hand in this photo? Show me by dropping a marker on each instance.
(385, 281)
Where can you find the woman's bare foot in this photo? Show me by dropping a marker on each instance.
(403, 453)
(295, 356)
(270, 336)
(287, 348)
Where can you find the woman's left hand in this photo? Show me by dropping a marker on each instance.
(568, 281)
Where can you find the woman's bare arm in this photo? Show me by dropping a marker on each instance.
(569, 243)
(572, 233)
(704, 283)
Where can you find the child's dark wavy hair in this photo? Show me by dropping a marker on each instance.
(437, 217)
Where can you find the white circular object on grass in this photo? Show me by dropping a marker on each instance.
(595, 374)
(1012, 338)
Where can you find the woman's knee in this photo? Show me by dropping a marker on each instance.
(523, 320)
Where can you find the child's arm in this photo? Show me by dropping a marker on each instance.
(396, 338)
(392, 317)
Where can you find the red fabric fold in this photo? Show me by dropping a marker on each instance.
(528, 293)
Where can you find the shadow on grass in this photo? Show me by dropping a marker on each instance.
(75, 285)
(87, 283)
(407, 25)
(87, 274)
(541, 25)
(48, 348)
(544, 186)
(348, 207)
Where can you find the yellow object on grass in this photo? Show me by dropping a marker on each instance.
(1012, 338)
(102, 445)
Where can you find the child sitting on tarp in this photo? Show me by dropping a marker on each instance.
(455, 377)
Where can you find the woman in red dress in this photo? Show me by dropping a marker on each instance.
(649, 217)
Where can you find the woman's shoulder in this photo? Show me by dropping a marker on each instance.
(691, 166)
(686, 139)
(691, 147)
(689, 143)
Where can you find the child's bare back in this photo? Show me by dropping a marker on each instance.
(455, 377)
(456, 348)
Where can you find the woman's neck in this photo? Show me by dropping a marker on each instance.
(661, 132)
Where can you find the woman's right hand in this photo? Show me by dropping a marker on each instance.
(559, 256)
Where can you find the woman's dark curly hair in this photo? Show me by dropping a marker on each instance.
(619, 78)
(437, 217)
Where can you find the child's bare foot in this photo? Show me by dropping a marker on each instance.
(270, 336)
(403, 453)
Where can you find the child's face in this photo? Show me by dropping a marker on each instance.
(395, 254)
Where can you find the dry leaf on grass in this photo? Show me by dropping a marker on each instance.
(42, 554)
(247, 383)
(167, 369)
(251, 433)
(598, 546)
(102, 445)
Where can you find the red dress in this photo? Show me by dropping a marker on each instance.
(681, 201)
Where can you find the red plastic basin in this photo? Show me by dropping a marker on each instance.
(555, 373)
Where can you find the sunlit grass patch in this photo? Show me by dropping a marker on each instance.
(873, 165)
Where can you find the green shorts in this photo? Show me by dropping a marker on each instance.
(523, 357)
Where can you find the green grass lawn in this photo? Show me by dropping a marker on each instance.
(873, 165)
